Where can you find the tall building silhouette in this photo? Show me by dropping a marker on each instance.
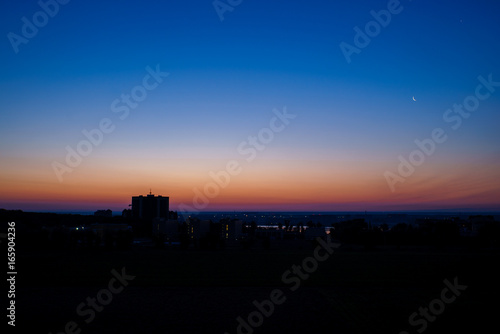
(150, 207)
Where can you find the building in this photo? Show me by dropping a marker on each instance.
(168, 228)
(113, 229)
(103, 213)
(232, 229)
(312, 233)
(150, 207)
(197, 228)
(270, 232)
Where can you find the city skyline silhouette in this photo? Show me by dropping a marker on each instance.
(345, 108)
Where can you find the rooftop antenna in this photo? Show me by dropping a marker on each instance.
(150, 191)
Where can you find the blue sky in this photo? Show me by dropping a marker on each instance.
(227, 76)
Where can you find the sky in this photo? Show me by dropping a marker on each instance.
(250, 105)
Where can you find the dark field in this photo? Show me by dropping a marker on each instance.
(174, 291)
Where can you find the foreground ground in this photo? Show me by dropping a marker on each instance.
(174, 291)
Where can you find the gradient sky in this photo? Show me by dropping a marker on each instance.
(225, 79)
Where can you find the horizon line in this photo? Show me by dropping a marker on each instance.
(313, 212)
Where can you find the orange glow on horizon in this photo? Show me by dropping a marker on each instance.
(298, 185)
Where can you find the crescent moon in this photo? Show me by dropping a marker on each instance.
(414, 99)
